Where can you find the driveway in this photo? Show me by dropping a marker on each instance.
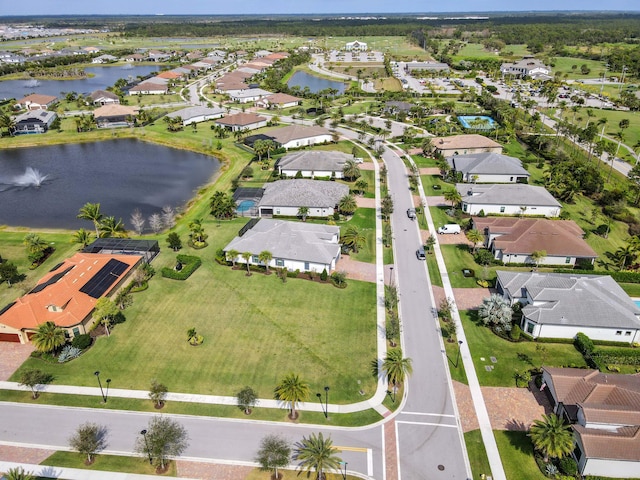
(357, 270)
(12, 355)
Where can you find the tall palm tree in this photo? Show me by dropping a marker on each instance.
(48, 337)
(110, 227)
(318, 454)
(354, 238)
(475, 237)
(396, 367)
(265, 257)
(292, 390)
(452, 196)
(551, 436)
(233, 256)
(347, 204)
(351, 170)
(91, 211)
(83, 237)
(303, 212)
(197, 230)
(247, 257)
(361, 185)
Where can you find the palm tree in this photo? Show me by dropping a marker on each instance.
(83, 237)
(36, 246)
(551, 436)
(91, 211)
(110, 227)
(265, 257)
(537, 256)
(233, 256)
(361, 185)
(292, 391)
(18, 473)
(303, 212)
(48, 337)
(351, 170)
(396, 367)
(347, 204)
(354, 238)
(247, 257)
(318, 454)
(197, 230)
(453, 196)
(475, 237)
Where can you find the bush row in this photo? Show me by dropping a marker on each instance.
(189, 263)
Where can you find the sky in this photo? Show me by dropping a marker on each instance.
(222, 7)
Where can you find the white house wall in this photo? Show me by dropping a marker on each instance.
(303, 142)
(311, 173)
(606, 468)
(570, 331)
(474, 209)
(293, 211)
(523, 258)
(293, 265)
(485, 178)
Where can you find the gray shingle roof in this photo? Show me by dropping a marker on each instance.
(297, 132)
(314, 160)
(487, 163)
(506, 194)
(306, 242)
(191, 112)
(303, 193)
(573, 300)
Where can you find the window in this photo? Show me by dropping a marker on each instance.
(255, 259)
(567, 260)
(618, 332)
(279, 262)
(511, 179)
(277, 211)
(501, 209)
(306, 266)
(464, 207)
(627, 334)
(76, 331)
(530, 327)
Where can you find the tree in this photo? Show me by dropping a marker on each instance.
(318, 454)
(232, 255)
(48, 337)
(9, 273)
(351, 170)
(105, 310)
(247, 398)
(164, 438)
(123, 299)
(551, 436)
(303, 212)
(173, 239)
(91, 211)
(247, 258)
(18, 473)
(110, 227)
(168, 215)
(387, 234)
(274, 453)
(537, 256)
(197, 231)
(265, 257)
(496, 312)
(361, 185)
(82, 236)
(354, 238)
(396, 366)
(386, 206)
(347, 204)
(89, 439)
(158, 393)
(137, 220)
(36, 246)
(155, 222)
(431, 241)
(33, 378)
(222, 205)
(475, 237)
(452, 196)
(292, 391)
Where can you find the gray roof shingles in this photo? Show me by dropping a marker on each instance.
(303, 193)
(506, 194)
(314, 160)
(487, 164)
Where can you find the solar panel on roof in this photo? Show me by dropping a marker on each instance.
(104, 278)
(51, 281)
(7, 307)
(56, 267)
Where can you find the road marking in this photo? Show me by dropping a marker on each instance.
(369, 462)
(395, 425)
(352, 449)
(384, 455)
(430, 414)
(428, 424)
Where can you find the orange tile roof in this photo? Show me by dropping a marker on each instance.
(241, 119)
(169, 74)
(73, 306)
(38, 98)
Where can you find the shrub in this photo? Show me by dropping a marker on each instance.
(324, 275)
(68, 353)
(515, 333)
(602, 229)
(483, 257)
(189, 263)
(568, 466)
(583, 344)
(81, 341)
(339, 279)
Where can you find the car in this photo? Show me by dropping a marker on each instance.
(420, 255)
(411, 213)
(449, 228)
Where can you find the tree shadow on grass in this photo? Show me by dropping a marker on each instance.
(520, 441)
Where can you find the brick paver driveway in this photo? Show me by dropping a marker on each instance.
(12, 355)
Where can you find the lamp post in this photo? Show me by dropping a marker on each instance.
(107, 391)
(344, 471)
(97, 374)
(604, 75)
(325, 406)
(458, 357)
(390, 276)
(146, 444)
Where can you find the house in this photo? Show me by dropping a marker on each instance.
(149, 88)
(488, 168)
(313, 163)
(295, 136)
(104, 59)
(560, 305)
(513, 240)
(285, 197)
(242, 121)
(113, 115)
(527, 67)
(464, 145)
(102, 97)
(91, 49)
(249, 95)
(34, 121)
(170, 75)
(356, 46)
(416, 66)
(507, 199)
(66, 295)
(604, 412)
(36, 101)
(300, 246)
(158, 56)
(191, 115)
(249, 69)
(279, 100)
(136, 57)
(393, 107)
(262, 53)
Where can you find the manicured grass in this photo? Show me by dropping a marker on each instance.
(428, 181)
(564, 64)
(256, 330)
(422, 161)
(456, 368)
(434, 271)
(511, 356)
(388, 84)
(477, 454)
(107, 463)
(632, 289)
(477, 50)
(458, 257)
(516, 452)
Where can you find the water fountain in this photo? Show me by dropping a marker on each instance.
(30, 178)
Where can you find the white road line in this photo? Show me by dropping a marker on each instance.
(384, 456)
(398, 449)
(429, 414)
(370, 462)
(427, 424)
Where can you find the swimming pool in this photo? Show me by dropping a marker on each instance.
(637, 302)
(245, 205)
(477, 122)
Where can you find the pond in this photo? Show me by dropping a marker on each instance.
(44, 187)
(303, 79)
(103, 77)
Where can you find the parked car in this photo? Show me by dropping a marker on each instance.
(450, 228)
(411, 213)
(420, 253)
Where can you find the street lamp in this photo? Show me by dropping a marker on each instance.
(107, 392)
(390, 276)
(146, 444)
(458, 357)
(604, 75)
(325, 406)
(344, 472)
(97, 374)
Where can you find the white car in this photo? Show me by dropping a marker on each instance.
(450, 228)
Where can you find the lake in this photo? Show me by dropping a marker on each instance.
(303, 79)
(104, 77)
(121, 175)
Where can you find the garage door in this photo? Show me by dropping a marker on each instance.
(9, 337)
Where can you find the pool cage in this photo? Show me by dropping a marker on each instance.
(247, 199)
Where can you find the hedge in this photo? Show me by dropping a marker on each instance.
(189, 263)
(619, 356)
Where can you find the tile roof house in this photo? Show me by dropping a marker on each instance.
(464, 145)
(34, 121)
(279, 100)
(604, 412)
(488, 168)
(313, 163)
(249, 95)
(36, 101)
(114, 115)
(66, 295)
(285, 197)
(560, 305)
(513, 240)
(242, 121)
(527, 67)
(295, 136)
(507, 199)
(294, 245)
(149, 87)
(103, 97)
(191, 115)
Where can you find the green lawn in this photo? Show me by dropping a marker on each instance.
(477, 50)
(564, 66)
(477, 454)
(434, 271)
(256, 329)
(422, 161)
(511, 356)
(516, 452)
(107, 463)
(428, 182)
